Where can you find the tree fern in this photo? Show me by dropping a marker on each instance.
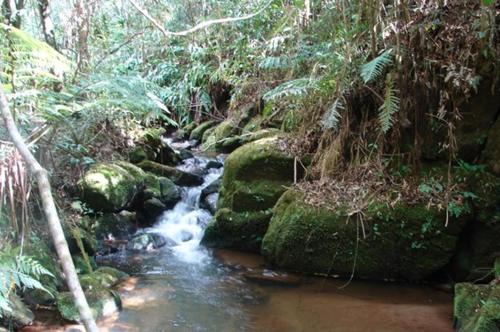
(390, 106)
(375, 68)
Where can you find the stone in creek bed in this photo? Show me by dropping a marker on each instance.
(186, 236)
(148, 241)
(214, 164)
(267, 277)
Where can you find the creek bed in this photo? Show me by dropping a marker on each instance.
(186, 287)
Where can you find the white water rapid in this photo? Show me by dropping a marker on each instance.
(185, 223)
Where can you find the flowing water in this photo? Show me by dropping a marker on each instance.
(186, 287)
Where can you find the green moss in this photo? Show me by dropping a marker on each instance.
(103, 277)
(496, 267)
(137, 155)
(409, 242)
(243, 231)
(175, 175)
(253, 125)
(102, 302)
(217, 137)
(291, 121)
(198, 132)
(477, 307)
(107, 187)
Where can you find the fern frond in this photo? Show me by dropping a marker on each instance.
(389, 107)
(295, 88)
(376, 67)
(332, 115)
(275, 62)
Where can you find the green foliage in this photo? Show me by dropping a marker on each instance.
(18, 271)
(389, 107)
(375, 68)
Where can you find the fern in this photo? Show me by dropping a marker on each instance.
(275, 62)
(374, 69)
(389, 107)
(295, 88)
(332, 116)
(18, 271)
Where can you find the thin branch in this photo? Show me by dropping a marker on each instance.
(199, 26)
(50, 211)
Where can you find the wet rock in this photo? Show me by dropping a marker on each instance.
(167, 155)
(119, 225)
(20, 315)
(162, 189)
(186, 236)
(185, 154)
(146, 241)
(209, 202)
(153, 207)
(178, 177)
(237, 230)
(198, 132)
(477, 307)
(102, 303)
(402, 242)
(214, 164)
(268, 277)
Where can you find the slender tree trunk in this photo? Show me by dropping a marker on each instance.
(7, 11)
(47, 25)
(83, 27)
(50, 212)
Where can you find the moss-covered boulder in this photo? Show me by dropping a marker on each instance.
(237, 230)
(222, 132)
(109, 186)
(477, 308)
(102, 302)
(255, 176)
(163, 189)
(103, 277)
(179, 177)
(198, 132)
(405, 241)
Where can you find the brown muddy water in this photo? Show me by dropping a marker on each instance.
(225, 293)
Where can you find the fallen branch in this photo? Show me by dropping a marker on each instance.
(199, 26)
(50, 212)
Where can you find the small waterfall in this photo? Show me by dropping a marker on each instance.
(184, 225)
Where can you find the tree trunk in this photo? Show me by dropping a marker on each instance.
(7, 12)
(47, 25)
(83, 28)
(50, 212)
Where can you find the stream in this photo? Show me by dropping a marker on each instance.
(187, 287)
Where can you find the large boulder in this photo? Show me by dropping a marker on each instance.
(404, 242)
(477, 308)
(179, 177)
(237, 230)
(108, 187)
(102, 302)
(255, 176)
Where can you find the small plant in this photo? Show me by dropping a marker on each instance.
(18, 271)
